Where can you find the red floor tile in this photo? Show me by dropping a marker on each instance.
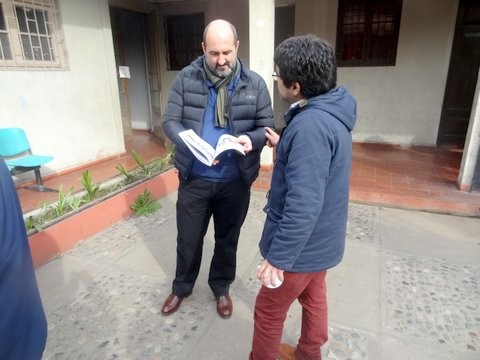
(143, 142)
(421, 178)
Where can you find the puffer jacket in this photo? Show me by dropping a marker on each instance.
(249, 109)
(308, 201)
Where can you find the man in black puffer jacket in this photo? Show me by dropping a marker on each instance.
(214, 95)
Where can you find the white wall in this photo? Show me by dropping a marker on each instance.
(74, 113)
(398, 104)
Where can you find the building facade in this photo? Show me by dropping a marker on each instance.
(78, 76)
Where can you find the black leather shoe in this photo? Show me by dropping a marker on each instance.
(171, 304)
(224, 306)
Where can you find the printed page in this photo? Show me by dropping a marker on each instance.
(203, 151)
(199, 147)
(227, 142)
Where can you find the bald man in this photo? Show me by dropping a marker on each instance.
(214, 95)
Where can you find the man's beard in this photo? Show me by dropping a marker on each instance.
(223, 73)
(220, 73)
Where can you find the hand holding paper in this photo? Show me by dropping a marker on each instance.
(204, 152)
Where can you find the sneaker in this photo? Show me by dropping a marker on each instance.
(286, 352)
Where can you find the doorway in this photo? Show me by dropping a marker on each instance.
(462, 76)
(284, 28)
(129, 38)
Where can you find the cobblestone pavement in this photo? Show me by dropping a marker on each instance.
(408, 288)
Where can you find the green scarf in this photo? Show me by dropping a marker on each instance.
(220, 83)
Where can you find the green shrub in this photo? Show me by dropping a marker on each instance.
(66, 203)
(91, 190)
(145, 204)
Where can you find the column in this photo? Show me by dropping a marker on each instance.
(470, 167)
(261, 46)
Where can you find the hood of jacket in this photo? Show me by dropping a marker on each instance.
(337, 102)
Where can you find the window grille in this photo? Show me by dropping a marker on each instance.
(184, 35)
(367, 32)
(30, 35)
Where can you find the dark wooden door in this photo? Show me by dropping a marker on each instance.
(154, 71)
(284, 28)
(462, 76)
(115, 15)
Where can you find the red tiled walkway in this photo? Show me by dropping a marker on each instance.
(421, 178)
(147, 145)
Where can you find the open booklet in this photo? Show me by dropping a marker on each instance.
(203, 151)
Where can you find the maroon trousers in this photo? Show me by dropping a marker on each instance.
(271, 309)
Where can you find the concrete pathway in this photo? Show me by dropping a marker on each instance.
(408, 288)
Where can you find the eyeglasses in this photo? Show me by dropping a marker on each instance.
(275, 76)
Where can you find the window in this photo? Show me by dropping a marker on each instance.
(29, 35)
(184, 35)
(5, 51)
(367, 32)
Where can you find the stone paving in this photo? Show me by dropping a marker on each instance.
(408, 288)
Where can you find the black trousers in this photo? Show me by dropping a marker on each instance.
(199, 200)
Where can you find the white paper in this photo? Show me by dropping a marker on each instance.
(203, 151)
(124, 72)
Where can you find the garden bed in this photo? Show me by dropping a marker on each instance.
(64, 232)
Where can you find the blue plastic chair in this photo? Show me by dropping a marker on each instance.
(15, 149)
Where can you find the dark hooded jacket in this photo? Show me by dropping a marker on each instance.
(23, 325)
(308, 200)
(249, 110)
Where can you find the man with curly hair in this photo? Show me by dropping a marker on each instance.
(305, 227)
